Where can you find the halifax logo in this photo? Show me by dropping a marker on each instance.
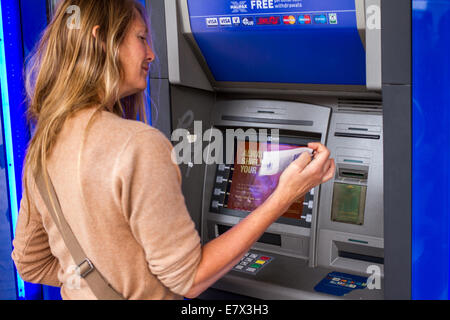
(238, 6)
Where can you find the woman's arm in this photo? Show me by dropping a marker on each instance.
(222, 253)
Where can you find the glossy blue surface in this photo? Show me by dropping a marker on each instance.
(321, 52)
(431, 150)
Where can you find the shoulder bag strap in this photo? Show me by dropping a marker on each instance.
(97, 283)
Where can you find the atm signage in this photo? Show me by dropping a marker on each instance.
(320, 19)
(248, 21)
(289, 20)
(272, 20)
(225, 21)
(212, 22)
(304, 19)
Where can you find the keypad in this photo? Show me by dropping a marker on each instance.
(253, 263)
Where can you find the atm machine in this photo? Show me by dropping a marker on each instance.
(311, 71)
(365, 77)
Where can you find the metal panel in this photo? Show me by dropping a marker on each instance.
(396, 41)
(396, 57)
(397, 191)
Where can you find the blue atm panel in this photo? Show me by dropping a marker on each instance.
(431, 136)
(280, 41)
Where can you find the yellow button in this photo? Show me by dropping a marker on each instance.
(260, 262)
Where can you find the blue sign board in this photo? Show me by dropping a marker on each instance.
(431, 135)
(280, 41)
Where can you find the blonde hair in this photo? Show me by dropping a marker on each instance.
(72, 70)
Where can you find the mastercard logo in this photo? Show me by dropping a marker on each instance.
(289, 20)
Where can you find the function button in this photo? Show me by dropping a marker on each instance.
(256, 266)
(252, 270)
(265, 258)
(223, 167)
(260, 262)
(220, 179)
(215, 204)
(218, 192)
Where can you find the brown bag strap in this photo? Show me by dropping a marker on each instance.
(97, 283)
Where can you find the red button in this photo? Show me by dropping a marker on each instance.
(265, 258)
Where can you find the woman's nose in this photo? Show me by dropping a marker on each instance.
(150, 53)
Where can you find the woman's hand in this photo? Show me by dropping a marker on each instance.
(304, 174)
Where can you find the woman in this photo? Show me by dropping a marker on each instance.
(118, 188)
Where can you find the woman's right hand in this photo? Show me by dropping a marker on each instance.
(304, 174)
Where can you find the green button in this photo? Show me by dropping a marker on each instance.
(255, 266)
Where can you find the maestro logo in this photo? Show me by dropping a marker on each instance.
(238, 6)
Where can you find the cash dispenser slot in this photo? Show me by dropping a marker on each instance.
(359, 252)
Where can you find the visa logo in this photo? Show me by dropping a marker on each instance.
(212, 22)
(225, 21)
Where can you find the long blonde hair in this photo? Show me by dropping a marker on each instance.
(72, 70)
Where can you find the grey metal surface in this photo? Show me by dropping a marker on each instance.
(396, 41)
(358, 154)
(161, 106)
(281, 110)
(287, 278)
(189, 105)
(373, 45)
(156, 13)
(184, 66)
(398, 191)
(397, 118)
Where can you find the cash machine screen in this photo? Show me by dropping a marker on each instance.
(248, 189)
(240, 189)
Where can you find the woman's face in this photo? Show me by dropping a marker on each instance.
(135, 56)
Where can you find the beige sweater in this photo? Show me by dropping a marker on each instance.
(124, 205)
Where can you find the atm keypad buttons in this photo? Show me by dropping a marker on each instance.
(252, 263)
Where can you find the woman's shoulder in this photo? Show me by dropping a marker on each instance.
(131, 131)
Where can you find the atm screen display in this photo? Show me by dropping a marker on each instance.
(248, 190)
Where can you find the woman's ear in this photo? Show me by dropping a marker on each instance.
(94, 31)
(94, 34)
